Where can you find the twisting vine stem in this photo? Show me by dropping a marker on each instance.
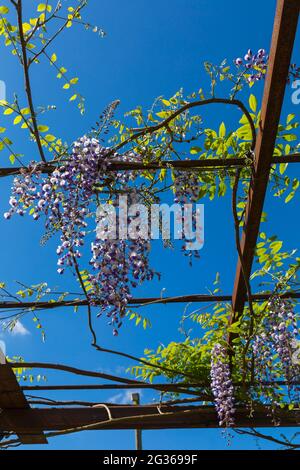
(25, 64)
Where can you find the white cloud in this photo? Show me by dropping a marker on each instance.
(19, 329)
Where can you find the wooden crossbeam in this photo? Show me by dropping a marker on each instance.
(194, 298)
(13, 399)
(182, 165)
(283, 38)
(142, 417)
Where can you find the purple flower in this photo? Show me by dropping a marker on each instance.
(65, 198)
(280, 330)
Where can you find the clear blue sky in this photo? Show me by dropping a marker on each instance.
(152, 48)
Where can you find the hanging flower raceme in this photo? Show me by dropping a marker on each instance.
(186, 187)
(119, 265)
(221, 386)
(68, 198)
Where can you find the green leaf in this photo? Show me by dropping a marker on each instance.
(2, 129)
(222, 130)
(276, 246)
(162, 174)
(50, 138)
(43, 128)
(163, 114)
(290, 118)
(282, 168)
(12, 159)
(17, 119)
(289, 137)
(25, 111)
(195, 150)
(244, 132)
(42, 7)
(289, 197)
(8, 111)
(53, 58)
(234, 329)
(26, 27)
(4, 10)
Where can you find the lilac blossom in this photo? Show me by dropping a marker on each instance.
(186, 191)
(279, 334)
(254, 64)
(221, 386)
(68, 198)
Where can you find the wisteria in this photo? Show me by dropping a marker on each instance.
(68, 197)
(221, 386)
(280, 332)
(255, 65)
(119, 265)
(186, 191)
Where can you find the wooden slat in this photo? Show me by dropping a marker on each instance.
(12, 398)
(142, 417)
(283, 38)
(188, 165)
(144, 300)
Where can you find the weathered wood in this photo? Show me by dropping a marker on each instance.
(12, 398)
(142, 417)
(284, 32)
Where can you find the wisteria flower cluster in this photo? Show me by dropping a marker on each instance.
(186, 187)
(294, 73)
(67, 197)
(280, 333)
(255, 64)
(221, 386)
(117, 266)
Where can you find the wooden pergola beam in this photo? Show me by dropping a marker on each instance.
(12, 398)
(208, 164)
(283, 38)
(193, 298)
(141, 417)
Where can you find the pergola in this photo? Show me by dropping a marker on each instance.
(29, 422)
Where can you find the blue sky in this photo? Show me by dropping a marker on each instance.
(151, 49)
